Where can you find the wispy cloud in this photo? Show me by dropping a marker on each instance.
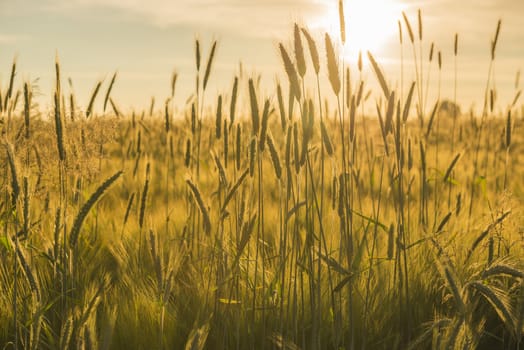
(252, 18)
(12, 38)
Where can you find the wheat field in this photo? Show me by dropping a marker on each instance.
(256, 221)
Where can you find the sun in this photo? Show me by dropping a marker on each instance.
(369, 24)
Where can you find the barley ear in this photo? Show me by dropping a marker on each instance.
(312, 50)
(167, 117)
(113, 106)
(187, 156)
(218, 124)
(517, 95)
(143, 199)
(151, 107)
(291, 74)
(15, 185)
(66, 333)
(108, 93)
(275, 159)
(234, 189)
(332, 65)
(325, 138)
(89, 110)
(226, 142)
(287, 156)
(342, 21)
(252, 156)
(59, 130)
(408, 26)
(299, 52)
(201, 206)
(263, 129)
(33, 282)
(486, 231)
(174, 78)
(82, 214)
(407, 105)
(128, 207)
(238, 147)
(352, 112)
(209, 64)
(348, 86)
(27, 110)
(400, 32)
(296, 148)
(508, 130)
(495, 40)
(380, 75)
(432, 118)
(281, 108)
(221, 171)
(233, 104)
(389, 113)
(419, 13)
(499, 301)
(197, 54)
(255, 117)
(450, 168)
(11, 83)
(391, 241)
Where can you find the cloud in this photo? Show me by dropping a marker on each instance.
(251, 18)
(12, 38)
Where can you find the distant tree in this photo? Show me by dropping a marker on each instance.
(450, 108)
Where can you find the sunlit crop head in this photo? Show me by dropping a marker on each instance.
(369, 24)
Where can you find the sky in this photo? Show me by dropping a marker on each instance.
(146, 41)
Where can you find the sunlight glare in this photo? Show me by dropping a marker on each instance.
(369, 24)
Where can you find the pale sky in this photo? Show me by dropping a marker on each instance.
(146, 40)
